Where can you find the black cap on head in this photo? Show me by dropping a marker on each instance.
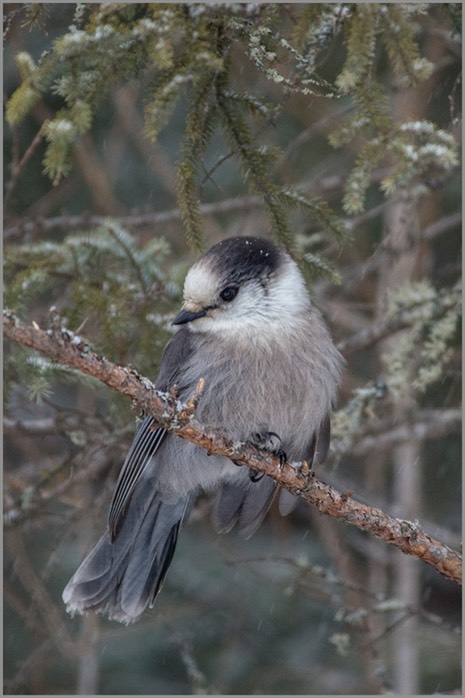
(241, 258)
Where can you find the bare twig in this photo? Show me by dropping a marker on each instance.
(63, 346)
(137, 220)
(19, 167)
(441, 423)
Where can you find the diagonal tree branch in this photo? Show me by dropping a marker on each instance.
(63, 347)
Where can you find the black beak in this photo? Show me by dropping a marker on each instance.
(187, 316)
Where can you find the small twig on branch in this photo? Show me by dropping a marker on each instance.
(62, 346)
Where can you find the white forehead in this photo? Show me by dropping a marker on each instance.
(201, 284)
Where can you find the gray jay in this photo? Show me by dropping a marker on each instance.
(270, 371)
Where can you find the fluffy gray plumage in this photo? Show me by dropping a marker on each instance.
(270, 368)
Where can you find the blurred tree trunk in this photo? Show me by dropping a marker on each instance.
(402, 238)
(407, 259)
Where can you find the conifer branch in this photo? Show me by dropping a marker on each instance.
(64, 347)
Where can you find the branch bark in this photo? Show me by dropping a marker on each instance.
(62, 346)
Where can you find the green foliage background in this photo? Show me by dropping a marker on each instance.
(138, 134)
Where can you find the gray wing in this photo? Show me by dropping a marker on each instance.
(324, 437)
(147, 440)
(177, 353)
(316, 454)
(146, 443)
(319, 445)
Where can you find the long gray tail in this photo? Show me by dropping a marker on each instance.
(120, 579)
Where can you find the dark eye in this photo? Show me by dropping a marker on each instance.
(229, 293)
